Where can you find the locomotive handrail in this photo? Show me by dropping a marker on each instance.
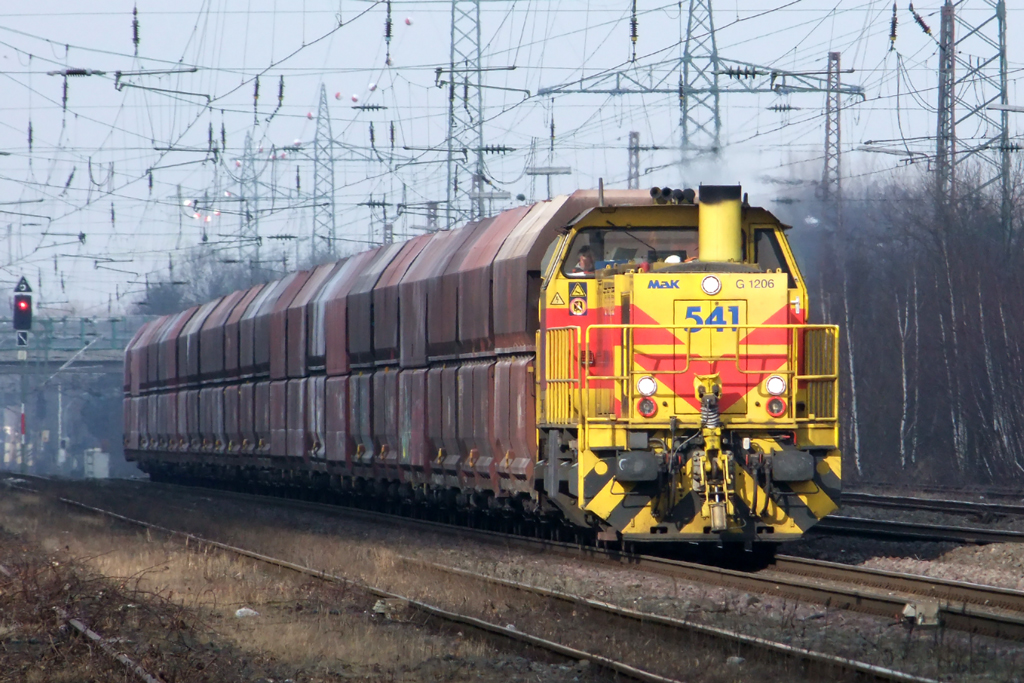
(829, 353)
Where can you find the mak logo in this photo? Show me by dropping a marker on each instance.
(663, 284)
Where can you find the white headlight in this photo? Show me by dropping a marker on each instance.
(646, 386)
(711, 285)
(775, 385)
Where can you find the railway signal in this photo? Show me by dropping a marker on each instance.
(22, 305)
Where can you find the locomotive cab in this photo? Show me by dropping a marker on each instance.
(684, 396)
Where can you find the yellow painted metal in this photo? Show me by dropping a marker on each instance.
(562, 396)
(720, 224)
(637, 323)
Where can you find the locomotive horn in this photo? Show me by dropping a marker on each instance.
(658, 195)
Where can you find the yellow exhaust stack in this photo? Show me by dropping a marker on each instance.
(719, 223)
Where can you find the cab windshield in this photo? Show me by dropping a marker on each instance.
(627, 248)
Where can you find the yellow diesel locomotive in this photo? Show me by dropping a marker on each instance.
(623, 366)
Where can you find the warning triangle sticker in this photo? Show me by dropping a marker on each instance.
(557, 300)
(577, 289)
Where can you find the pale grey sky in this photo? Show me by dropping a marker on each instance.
(111, 137)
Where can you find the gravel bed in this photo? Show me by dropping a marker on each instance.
(325, 541)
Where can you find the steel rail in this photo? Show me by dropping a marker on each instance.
(106, 645)
(961, 606)
(877, 500)
(879, 528)
(870, 671)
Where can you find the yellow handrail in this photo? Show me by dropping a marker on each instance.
(568, 384)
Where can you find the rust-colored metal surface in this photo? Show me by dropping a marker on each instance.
(211, 336)
(360, 417)
(415, 455)
(247, 325)
(360, 304)
(429, 266)
(523, 423)
(278, 418)
(330, 316)
(297, 318)
(149, 360)
(339, 446)
(181, 428)
(316, 425)
(387, 445)
(207, 416)
(188, 341)
(443, 295)
(435, 419)
(140, 354)
(151, 425)
(388, 307)
(141, 418)
(193, 436)
(517, 266)
(451, 428)
(475, 299)
(261, 417)
(231, 330)
(172, 369)
(247, 418)
(168, 419)
(272, 356)
(295, 418)
(232, 431)
(130, 420)
(131, 356)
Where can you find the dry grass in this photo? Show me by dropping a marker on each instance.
(309, 629)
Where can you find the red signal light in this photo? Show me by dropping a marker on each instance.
(22, 312)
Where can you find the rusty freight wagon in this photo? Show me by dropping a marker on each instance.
(628, 366)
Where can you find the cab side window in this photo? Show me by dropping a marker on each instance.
(770, 257)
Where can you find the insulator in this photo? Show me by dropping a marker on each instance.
(256, 91)
(371, 134)
(892, 29)
(387, 24)
(298, 180)
(150, 175)
(920, 20)
(135, 29)
(280, 91)
(64, 99)
(30, 135)
(392, 135)
(223, 136)
(112, 216)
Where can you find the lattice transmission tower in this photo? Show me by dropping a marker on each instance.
(465, 116)
(973, 97)
(323, 177)
(249, 205)
(699, 78)
(699, 92)
(831, 179)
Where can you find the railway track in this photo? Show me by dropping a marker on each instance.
(630, 619)
(915, 531)
(974, 608)
(876, 500)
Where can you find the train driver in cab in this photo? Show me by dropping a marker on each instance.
(585, 265)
